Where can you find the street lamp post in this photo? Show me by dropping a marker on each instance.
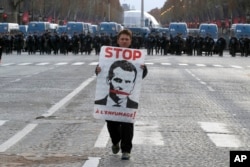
(142, 13)
(1, 11)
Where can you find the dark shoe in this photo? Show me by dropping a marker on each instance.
(115, 148)
(125, 156)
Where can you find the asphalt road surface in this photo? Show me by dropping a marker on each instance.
(193, 111)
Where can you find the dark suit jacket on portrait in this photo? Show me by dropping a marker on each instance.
(130, 103)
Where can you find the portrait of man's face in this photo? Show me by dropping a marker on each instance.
(122, 82)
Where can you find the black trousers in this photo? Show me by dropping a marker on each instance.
(121, 132)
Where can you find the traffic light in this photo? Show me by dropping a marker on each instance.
(5, 17)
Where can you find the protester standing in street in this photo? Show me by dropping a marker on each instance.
(122, 133)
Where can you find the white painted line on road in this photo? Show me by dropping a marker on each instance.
(203, 83)
(93, 63)
(7, 64)
(220, 135)
(92, 162)
(210, 88)
(66, 99)
(19, 79)
(17, 137)
(149, 63)
(62, 63)
(147, 134)
(217, 65)
(103, 138)
(225, 140)
(200, 81)
(24, 64)
(42, 64)
(2, 122)
(166, 64)
(183, 64)
(200, 65)
(236, 66)
(214, 127)
(78, 63)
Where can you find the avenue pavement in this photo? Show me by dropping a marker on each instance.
(193, 112)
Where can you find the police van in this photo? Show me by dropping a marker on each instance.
(238, 33)
(178, 28)
(9, 27)
(209, 30)
(61, 29)
(76, 27)
(241, 30)
(38, 27)
(108, 28)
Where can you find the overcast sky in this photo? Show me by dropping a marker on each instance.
(148, 4)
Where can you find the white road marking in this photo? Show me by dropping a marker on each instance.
(147, 134)
(200, 65)
(220, 135)
(42, 64)
(210, 88)
(225, 140)
(62, 63)
(103, 138)
(78, 63)
(24, 64)
(93, 63)
(7, 64)
(217, 65)
(19, 79)
(166, 64)
(183, 64)
(66, 99)
(234, 66)
(2, 122)
(17, 137)
(203, 83)
(149, 63)
(92, 162)
(200, 81)
(214, 127)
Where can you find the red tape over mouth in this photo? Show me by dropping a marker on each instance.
(119, 92)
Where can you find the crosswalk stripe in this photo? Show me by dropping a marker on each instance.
(220, 134)
(2, 122)
(147, 133)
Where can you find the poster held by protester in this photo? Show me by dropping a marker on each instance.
(118, 84)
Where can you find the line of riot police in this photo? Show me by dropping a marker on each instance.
(192, 45)
(53, 43)
(241, 45)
